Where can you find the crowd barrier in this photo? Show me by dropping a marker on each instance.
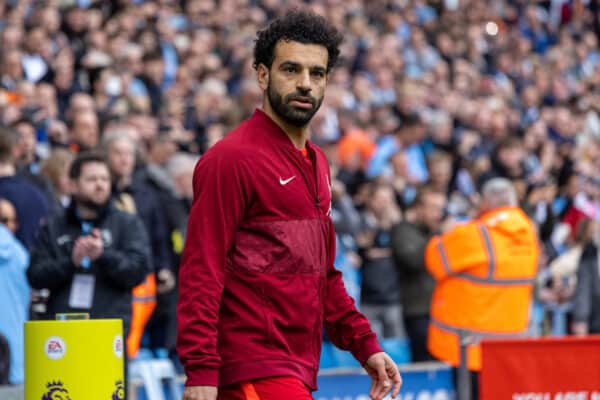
(541, 369)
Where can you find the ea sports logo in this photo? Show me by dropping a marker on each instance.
(118, 346)
(55, 348)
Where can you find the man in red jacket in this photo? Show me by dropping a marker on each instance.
(257, 281)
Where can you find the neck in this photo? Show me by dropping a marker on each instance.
(298, 135)
(86, 212)
(123, 182)
(7, 170)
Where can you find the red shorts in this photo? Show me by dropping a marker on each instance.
(276, 388)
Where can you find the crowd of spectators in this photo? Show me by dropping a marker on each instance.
(429, 100)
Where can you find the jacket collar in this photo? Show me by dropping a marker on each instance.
(73, 218)
(261, 118)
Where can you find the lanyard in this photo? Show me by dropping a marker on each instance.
(86, 228)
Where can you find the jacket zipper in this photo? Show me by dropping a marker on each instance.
(315, 169)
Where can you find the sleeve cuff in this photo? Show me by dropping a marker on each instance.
(365, 348)
(199, 376)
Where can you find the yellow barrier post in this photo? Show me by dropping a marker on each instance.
(74, 360)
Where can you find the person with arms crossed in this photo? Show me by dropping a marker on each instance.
(257, 281)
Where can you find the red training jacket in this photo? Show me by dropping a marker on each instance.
(257, 281)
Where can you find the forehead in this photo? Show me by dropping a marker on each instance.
(94, 168)
(305, 54)
(121, 144)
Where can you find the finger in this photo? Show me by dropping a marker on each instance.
(383, 384)
(394, 375)
(373, 386)
(373, 377)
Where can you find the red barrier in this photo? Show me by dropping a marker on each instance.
(541, 369)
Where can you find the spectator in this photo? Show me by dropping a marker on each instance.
(134, 194)
(83, 131)
(14, 293)
(380, 290)
(93, 247)
(56, 169)
(30, 203)
(494, 260)
(409, 238)
(408, 138)
(586, 311)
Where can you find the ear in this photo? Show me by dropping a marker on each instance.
(262, 75)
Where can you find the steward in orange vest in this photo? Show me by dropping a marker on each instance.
(485, 270)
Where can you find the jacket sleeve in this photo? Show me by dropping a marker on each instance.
(347, 328)
(46, 268)
(408, 247)
(220, 198)
(582, 301)
(129, 262)
(458, 250)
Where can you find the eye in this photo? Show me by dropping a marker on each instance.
(318, 74)
(289, 69)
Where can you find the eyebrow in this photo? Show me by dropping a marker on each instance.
(295, 64)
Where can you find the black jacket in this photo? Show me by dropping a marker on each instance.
(586, 304)
(124, 263)
(408, 247)
(379, 276)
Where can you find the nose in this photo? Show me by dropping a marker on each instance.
(303, 83)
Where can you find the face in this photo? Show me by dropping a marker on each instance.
(295, 83)
(440, 171)
(432, 210)
(121, 157)
(85, 130)
(382, 199)
(28, 139)
(92, 188)
(8, 216)
(511, 157)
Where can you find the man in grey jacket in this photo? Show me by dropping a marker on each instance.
(409, 239)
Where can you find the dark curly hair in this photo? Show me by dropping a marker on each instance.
(297, 26)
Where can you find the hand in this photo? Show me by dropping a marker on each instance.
(80, 251)
(580, 328)
(200, 393)
(95, 245)
(383, 372)
(166, 281)
(90, 246)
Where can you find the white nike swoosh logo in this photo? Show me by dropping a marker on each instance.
(284, 182)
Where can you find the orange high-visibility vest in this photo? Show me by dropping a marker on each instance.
(485, 270)
(144, 303)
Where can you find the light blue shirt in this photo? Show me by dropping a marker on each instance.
(14, 300)
(386, 148)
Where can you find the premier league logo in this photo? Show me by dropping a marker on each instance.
(119, 393)
(56, 391)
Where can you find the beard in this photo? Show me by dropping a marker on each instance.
(292, 115)
(89, 203)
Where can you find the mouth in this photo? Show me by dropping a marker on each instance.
(301, 102)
